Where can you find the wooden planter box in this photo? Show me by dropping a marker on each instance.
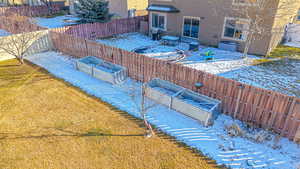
(102, 70)
(197, 106)
(162, 91)
(192, 104)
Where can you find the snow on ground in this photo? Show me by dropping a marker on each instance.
(282, 76)
(56, 22)
(223, 60)
(4, 33)
(4, 55)
(212, 141)
(293, 44)
(273, 76)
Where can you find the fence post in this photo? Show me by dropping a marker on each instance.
(290, 113)
(240, 87)
(297, 136)
(86, 47)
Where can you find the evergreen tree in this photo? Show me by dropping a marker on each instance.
(92, 11)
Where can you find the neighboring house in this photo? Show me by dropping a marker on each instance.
(195, 19)
(121, 8)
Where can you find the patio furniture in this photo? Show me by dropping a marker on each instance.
(192, 104)
(228, 45)
(102, 70)
(156, 33)
(170, 40)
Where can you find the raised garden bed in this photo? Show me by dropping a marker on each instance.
(197, 106)
(102, 70)
(162, 91)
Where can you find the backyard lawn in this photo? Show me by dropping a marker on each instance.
(285, 51)
(46, 123)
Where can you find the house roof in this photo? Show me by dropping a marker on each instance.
(163, 8)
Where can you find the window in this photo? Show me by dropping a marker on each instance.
(191, 27)
(244, 2)
(158, 21)
(235, 29)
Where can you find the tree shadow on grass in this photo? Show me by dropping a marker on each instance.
(67, 133)
(9, 66)
(139, 122)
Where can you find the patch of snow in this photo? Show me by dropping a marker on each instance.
(4, 55)
(223, 60)
(293, 32)
(293, 44)
(282, 76)
(214, 142)
(56, 22)
(159, 8)
(129, 41)
(4, 33)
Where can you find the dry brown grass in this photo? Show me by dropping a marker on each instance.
(46, 123)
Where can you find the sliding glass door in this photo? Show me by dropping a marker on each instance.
(191, 27)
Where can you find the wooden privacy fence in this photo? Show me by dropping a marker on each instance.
(37, 42)
(100, 30)
(260, 107)
(18, 24)
(31, 11)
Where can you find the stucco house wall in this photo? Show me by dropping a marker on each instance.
(118, 7)
(212, 22)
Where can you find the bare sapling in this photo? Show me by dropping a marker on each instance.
(138, 96)
(252, 20)
(19, 44)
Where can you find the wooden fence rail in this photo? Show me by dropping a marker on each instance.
(100, 30)
(18, 24)
(21, 24)
(30, 11)
(260, 107)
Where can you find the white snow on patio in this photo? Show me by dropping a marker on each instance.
(223, 60)
(4, 33)
(225, 63)
(293, 44)
(212, 141)
(56, 22)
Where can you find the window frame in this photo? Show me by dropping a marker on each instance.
(244, 34)
(190, 17)
(243, 4)
(159, 14)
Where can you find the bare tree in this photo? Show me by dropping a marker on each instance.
(49, 5)
(19, 44)
(258, 15)
(138, 96)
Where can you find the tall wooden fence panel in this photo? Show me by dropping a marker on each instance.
(30, 11)
(100, 30)
(264, 108)
(18, 24)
